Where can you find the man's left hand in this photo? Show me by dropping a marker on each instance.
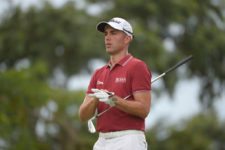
(103, 96)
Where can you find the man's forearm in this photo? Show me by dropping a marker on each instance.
(135, 108)
(87, 108)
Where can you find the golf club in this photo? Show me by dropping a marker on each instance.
(173, 67)
(91, 126)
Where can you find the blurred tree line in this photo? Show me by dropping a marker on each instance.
(36, 43)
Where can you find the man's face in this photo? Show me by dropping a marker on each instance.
(115, 40)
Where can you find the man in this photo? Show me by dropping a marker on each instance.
(123, 86)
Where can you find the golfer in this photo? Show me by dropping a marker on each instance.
(124, 84)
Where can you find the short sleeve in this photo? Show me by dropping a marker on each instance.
(141, 77)
(92, 83)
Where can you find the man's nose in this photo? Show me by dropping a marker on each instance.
(107, 37)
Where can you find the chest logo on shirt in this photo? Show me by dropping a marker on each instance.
(99, 82)
(120, 80)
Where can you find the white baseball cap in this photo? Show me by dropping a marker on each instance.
(116, 23)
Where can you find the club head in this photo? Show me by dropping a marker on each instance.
(91, 127)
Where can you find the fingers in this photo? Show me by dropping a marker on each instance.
(106, 91)
(91, 95)
(110, 93)
(102, 95)
(103, 99)
(95, 90)
(95, 93)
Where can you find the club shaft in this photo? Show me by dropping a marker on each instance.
(185, 60)
(179, 64)
(160, 76)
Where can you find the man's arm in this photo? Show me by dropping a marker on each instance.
(87, 108)
(140, 106)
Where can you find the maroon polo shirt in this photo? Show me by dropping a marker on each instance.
(128, 76)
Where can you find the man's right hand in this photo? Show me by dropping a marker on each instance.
(103, 96)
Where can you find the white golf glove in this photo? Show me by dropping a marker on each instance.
(103, 96)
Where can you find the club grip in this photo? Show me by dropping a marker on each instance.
(179, 63)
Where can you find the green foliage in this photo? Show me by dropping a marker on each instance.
(58, 36)
(70, 132)
(28, 102)
(204, 131)
(66, 38)
(201, 33)
(208, 47)
(35, 115)
(21, 94)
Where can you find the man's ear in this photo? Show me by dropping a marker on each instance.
(128, 39)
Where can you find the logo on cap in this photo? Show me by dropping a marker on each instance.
(114, 20)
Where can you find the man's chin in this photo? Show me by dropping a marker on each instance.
(110, 52)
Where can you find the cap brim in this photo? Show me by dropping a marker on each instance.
(101, 26)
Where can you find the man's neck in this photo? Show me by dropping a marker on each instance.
(117, 57)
